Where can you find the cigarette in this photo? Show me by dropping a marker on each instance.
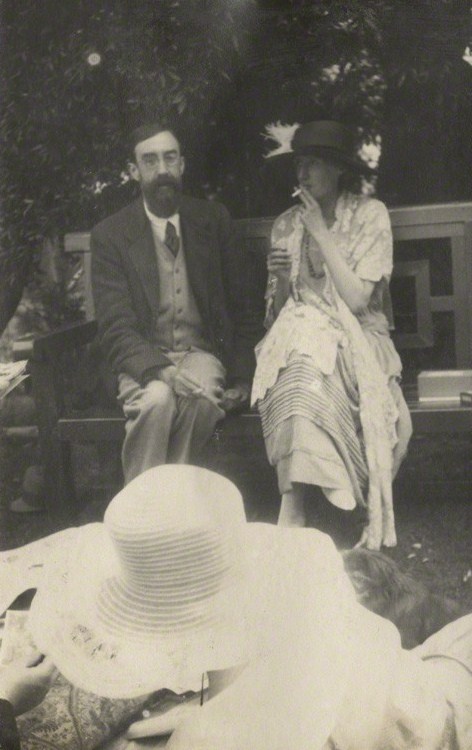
(296, 192)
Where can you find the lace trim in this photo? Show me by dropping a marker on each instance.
(299, 328)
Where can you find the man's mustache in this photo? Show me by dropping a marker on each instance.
(165, 180)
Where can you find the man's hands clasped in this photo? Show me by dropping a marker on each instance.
(187, 386)
(236, 397)
(181, 382)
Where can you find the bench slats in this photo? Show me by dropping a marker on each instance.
(439, 417)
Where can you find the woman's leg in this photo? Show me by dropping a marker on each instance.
(292, 507)
(404, 427)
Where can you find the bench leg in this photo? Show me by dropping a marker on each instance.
(59, 489)
(59, 492)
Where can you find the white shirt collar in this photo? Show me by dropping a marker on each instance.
(160, 223)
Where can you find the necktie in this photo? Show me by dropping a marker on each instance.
(171, 239)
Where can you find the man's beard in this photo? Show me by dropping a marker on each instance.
(162, 195)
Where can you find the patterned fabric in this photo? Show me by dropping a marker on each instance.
(72, 719)
(309, 322)
(316, 323)
(364, 238)
(294, 334)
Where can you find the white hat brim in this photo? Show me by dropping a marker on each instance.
(116, 662)
(268, 592)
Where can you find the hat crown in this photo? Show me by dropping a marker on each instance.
(175, 531)
(324, 134)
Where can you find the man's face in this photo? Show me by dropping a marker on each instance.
(158, 167)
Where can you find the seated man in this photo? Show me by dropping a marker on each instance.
(166, 275)
(175, 584)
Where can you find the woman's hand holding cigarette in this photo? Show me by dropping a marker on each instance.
(312, 218)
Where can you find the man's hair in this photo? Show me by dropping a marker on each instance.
(145, 131)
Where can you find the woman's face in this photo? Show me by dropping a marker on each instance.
(317, 175)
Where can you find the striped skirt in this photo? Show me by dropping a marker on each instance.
(312, 428)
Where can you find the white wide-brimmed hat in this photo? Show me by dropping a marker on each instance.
(147, 598)
(173, 584)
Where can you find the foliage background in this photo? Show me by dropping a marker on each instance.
(220, 69)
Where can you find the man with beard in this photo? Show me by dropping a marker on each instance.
(172, 320)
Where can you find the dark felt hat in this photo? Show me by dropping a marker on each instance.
(325, 138)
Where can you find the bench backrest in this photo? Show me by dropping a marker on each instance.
(431, 284)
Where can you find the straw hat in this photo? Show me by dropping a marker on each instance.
(174, 583)
(140, 600)
(325, 138)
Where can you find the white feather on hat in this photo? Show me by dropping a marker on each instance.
(282, 135)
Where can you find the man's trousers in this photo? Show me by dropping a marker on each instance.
(162, 427)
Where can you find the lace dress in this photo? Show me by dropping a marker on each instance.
(317, 387)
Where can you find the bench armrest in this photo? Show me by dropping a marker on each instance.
(69, 336)
(46, 364)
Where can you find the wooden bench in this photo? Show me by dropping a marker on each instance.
(432, 298)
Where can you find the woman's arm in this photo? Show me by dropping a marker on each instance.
(355, 292)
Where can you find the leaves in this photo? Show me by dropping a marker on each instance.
(222, 70)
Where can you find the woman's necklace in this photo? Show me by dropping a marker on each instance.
(316, 273)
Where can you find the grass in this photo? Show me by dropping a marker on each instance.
(433, 494)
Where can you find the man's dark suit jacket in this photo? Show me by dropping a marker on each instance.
(126, 288)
